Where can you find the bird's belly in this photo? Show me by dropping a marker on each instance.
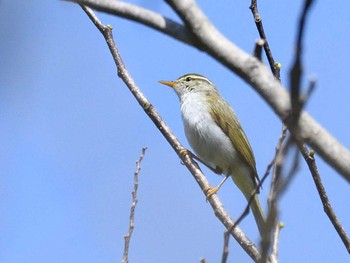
(209, 142)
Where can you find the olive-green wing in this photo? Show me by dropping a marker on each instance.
(230, 126)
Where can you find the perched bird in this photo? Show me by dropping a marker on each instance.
(215, 134)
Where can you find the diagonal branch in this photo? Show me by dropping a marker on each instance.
(152, 113)
(327, 207)
(143, 16)
(258, 22)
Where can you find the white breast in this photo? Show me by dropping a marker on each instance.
(206, 138)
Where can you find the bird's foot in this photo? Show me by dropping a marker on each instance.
(209, 191)
(183, 152)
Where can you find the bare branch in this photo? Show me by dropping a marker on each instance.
(258, 22)
(214, 201)
(143, 16)
(133, 205)
(310, 89)
(258, 48)
(258, 76)
(225, 250)
(275, 239)
(327, 207)
(296, 72)
(278, 186)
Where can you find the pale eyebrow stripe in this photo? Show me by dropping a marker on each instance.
(198, 77)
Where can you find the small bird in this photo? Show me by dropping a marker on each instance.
(215, 134)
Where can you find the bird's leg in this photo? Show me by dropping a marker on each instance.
(216, 170)
(209, 191)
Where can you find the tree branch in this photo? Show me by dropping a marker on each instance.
(214, 201)
(258, 22)
(275, 239)
(132, 209)
(225, 250)
(259, 44)
(327, 207)
(297, 69)
(143, 16)
(278, 186)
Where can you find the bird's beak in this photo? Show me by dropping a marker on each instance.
(168, 83)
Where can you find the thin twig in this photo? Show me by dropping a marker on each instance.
(327, 207)
(259, 25)
(225, 250)
(275, 239)
(274, 195)
(297, 69)
(259, 44)
(279, 183)
(293, 169)
(267, 172)
(152, 113)
(310, 89)
(132, 208)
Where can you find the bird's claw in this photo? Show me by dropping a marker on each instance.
(183, 152)
(209, 191)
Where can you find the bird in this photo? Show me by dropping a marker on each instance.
(217, 138)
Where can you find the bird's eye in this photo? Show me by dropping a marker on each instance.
(188, 79)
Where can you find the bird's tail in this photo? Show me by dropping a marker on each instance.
(247, 187)
(258, 214)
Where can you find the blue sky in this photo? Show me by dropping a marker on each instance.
(71, 132)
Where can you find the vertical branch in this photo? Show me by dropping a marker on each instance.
(297, 69)
(275, 238)
(225, 250)
(132, 208)
(278, 187)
